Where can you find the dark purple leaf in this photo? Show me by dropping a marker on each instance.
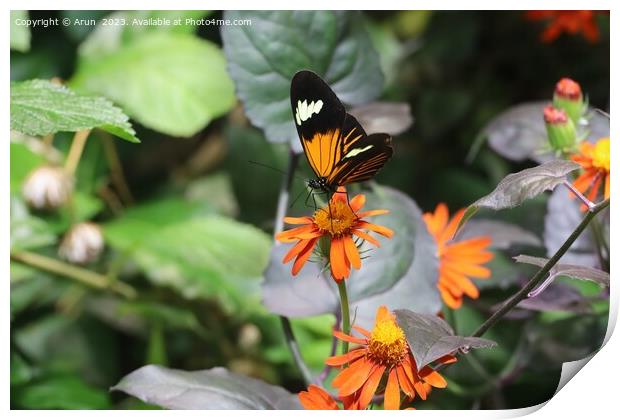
(384, 117)
(515, 188)
(430, 337)
(557, 297)
(569, 270)
(211, 389)
(563, 216)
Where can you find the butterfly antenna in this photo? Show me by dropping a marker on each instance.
(296, 198)
(275, 169)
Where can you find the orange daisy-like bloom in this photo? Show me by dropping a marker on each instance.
(458, 260)
(340, 221)
(566, 21)
(383, 352)
(594, 159)
(316, 398)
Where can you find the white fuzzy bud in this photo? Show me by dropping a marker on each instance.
(47, 188)
(82, 244)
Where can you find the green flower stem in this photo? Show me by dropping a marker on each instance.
(344, 306)
(82, 275)
(542, 273)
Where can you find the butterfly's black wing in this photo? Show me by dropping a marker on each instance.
(335, 144)
(362, 155)
(318, 116)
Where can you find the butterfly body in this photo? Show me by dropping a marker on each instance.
(337, 148)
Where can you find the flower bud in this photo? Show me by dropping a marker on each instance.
(47, 188)
(82, 244)
(560, 129)
(568, 96)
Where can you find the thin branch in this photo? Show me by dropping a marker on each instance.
(295, 351)
(542, 273)
(82, 275)
(283, 199)
(116, 169)
(75, 152)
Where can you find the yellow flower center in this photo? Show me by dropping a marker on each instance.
(600, 155)
(337, 218)
(387, 344)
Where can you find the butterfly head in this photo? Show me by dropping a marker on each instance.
(319, 184)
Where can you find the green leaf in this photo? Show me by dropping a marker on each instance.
(515, 188)
(62, 392)
(20, 33)
(211, 389)
(107, 38)
(264, 57)
(174, 83)
(401, 273)
(430, 337)
(135, 317)
(210, 256)
(40, 107)
(28, 231)
(569, 270)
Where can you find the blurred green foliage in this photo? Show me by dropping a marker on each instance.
(193, 234)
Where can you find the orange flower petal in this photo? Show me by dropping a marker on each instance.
(607, 186)
(292, 234)
(466, 269)
(339, 264)
(351, 252)
(361, 330)
(366, 237)
(370, 387)
(340, 195)
(303, 256)
(433, 378)
(317, 399)
(295, 250)
(357, 203)
(343, 359)
(404, 382)
(392, 392)
(472, 245)
(449, 299)
(463, 282)
(298, 220)
(352, 378)
(450, 230)
(349, 338)
(383, 314)
(370, 213)
(381, 230)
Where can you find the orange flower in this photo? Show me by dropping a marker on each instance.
(566, 21)
(316, 398)
(338, 222)
(594, 159)
(457, 260)
(384, 352)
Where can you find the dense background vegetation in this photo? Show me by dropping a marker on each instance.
(190, 184)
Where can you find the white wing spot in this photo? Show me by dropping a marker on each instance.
(355, 152)
(304, 110)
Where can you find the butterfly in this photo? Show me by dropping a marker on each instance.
(337, 148)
